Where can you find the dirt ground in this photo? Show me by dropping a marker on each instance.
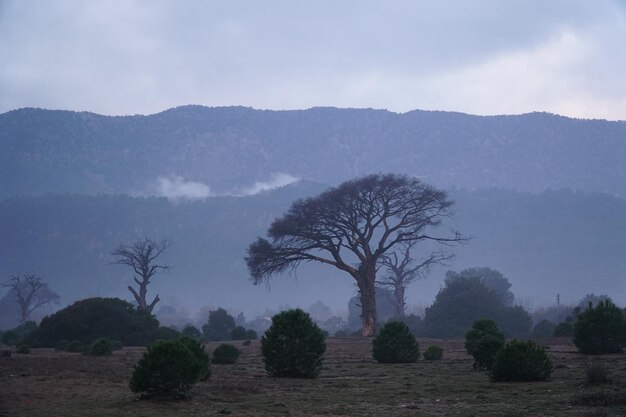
(59, 384)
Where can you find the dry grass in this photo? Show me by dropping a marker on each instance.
(48, 383)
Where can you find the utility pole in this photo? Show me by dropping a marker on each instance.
(558, 302)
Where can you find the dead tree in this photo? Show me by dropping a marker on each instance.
(351, 227)
(141, 257)
(402, 270)
(31, 293)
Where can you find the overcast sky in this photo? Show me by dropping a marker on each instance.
(481, 57)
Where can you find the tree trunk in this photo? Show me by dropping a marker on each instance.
(367, 287)
(399, 305)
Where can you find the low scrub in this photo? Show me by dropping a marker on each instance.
(168, 369)
(521, 361)
(225, 354)
(433, 353)
(395, 344)
(483, 341)
(293, 346)
(100, 347)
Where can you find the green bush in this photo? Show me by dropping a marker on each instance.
(100, 347)
(241, 333)
(483, 342)
(23, 349)
(247, 342)
(395, 344)
(521, 361)
(117, 345)
(225, 353)
(75, 346)
(197, 348)
(19, 334)
(192, 332)
(433, 353)
(167, 369)
(543, 329)
(600, 329)
(293, 346)
(564, 329)
(93, 318)
(219, 326)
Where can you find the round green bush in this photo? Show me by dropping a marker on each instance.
(433, 353)
(75, 346)
(564, 329)
(100, 347)
(483, 342)
(600, 329)
(543, 329)
(192, 332)
(225, 354)
(521, 361)
(395, 344)
(293, 346)
(23, 349)
(197, 348)
(167, 369)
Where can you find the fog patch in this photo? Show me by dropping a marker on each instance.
(277, 180)
(175, 188)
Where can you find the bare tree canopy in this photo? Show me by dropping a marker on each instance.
(141, 257)
(351, 227)
(31, 293)
(402, 269)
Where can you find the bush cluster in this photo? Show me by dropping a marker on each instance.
(433, 353)
(564, 329)
(93, 318)
(483, 342)
(225, 354)
(100, 347)
(521, 361)
(600, 329)
(19, 334)
(293, 346)
(241, 333)
(395, 344)
(169, 368)
(543, 329)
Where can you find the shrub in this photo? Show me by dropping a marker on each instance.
(433, 353)
(483, 342)
(225, 353)
(247, 342)
(93, 318)
(167, 369)
(465, 300)
(341, 333)
(543, 329)
(75, 346)
(564, 329)
(395, 344)
(192, 332)
(293, 346)
(23, 349)
(597, 373)
(241, 333)
(19, 334)
(219, 326)
(197, 348)
(117, 345)
(521, 361)
(600, 329)
(100, 347)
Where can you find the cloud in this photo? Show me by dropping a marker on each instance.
(278, 179)
(175, 188)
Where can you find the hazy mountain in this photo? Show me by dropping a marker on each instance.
(232, 147)
(548, 243)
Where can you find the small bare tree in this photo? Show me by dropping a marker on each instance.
(30, 294)
(402, 270)
(141, 256)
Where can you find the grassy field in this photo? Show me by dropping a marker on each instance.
(58, 384)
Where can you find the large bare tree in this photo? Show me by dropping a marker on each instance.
(350, 227)
(30, 293)
(141, 257)
(402, 269)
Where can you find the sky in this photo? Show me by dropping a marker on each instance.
(481, 57)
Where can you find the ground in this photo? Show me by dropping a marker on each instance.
(60, 384)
